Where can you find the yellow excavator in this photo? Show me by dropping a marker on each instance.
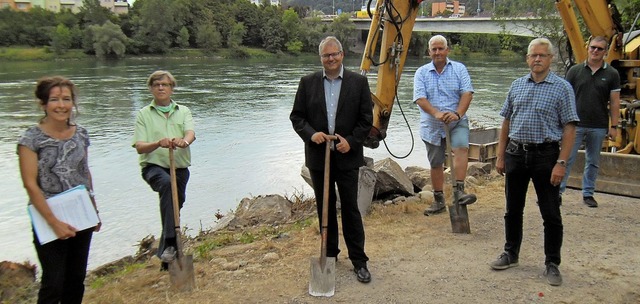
(618, 174)
(392, 23)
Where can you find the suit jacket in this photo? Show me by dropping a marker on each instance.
(354, 118)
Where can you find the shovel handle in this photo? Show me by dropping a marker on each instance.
(176, 204)
(174, 189)
(325, 199)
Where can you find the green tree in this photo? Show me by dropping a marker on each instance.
(273, 36)
(9, 21)
(485, 43)
(67, 18)
(343, 29)
(272, 32)
(208, 38)
(94, 13)
(235, 36)
(251, 16)
(155, 26)
(294, 46)
(61, 39)
(313, 30)
(109, 40)
(291, 23)
(183, 37)
(419, 44)
(629, 10)
(35, 27)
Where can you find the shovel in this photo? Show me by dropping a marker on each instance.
(181, 272)
(457, 213)
(323, 269)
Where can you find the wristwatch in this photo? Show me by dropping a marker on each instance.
(614, 127)
(561, 162)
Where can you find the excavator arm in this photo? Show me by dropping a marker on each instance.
(386, 47)
(601, 18)
(617, 173)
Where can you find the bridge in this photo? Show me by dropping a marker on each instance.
(518, 26)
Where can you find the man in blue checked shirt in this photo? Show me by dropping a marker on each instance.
(442, 90)
(537, 134)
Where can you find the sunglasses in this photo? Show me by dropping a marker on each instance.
(593, 48)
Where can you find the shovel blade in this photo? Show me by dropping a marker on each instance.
(459, 218)
(181, 274)
(323, 277)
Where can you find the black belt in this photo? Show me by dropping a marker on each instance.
(533, 146)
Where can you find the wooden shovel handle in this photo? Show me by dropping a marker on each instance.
(174, 189)
(325, 199)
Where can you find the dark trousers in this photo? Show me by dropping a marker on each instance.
(521, 167)
(64, 267)
(160, 181)
(352, 227)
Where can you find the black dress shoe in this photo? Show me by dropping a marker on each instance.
(363, 274)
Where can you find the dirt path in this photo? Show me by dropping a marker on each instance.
(416, 259)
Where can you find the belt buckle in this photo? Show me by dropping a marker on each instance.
(524, 147)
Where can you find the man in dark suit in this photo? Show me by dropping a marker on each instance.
(337, 102)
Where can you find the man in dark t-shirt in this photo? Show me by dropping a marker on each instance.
(597, 88)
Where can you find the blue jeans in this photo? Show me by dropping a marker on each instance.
(459, 139)
(592, 138)
(523, 166)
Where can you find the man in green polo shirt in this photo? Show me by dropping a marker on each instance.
(160, 126)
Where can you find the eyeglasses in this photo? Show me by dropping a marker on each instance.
(542, 56)
(158, 85)
(593, 48)
(334, 55)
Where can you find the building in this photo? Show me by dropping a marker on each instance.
(116, 6)
(259, 2)
(455, 7)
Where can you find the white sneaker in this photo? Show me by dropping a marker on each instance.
(168, 255)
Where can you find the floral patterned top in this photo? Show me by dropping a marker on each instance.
(62, 163)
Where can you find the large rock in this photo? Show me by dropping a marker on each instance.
(478, 169)
(366, 185)
(366, 188)
(419, 176)
(270, 209)
(391, 179)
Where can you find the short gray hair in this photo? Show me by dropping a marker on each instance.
(328, 40)
(438, 38)
(541, 41)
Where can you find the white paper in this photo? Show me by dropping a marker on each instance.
(73, 207)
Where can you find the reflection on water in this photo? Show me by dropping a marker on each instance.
(245, 144)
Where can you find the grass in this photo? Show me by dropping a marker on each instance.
(127, 269)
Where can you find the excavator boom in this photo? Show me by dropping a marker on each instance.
(386, 47)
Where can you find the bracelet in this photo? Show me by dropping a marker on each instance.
(92, 194)
(187, 142)
(454, 112)
(614, 127)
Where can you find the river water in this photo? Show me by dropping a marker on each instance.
(245, 144)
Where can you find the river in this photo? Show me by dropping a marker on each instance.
(245, 145)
